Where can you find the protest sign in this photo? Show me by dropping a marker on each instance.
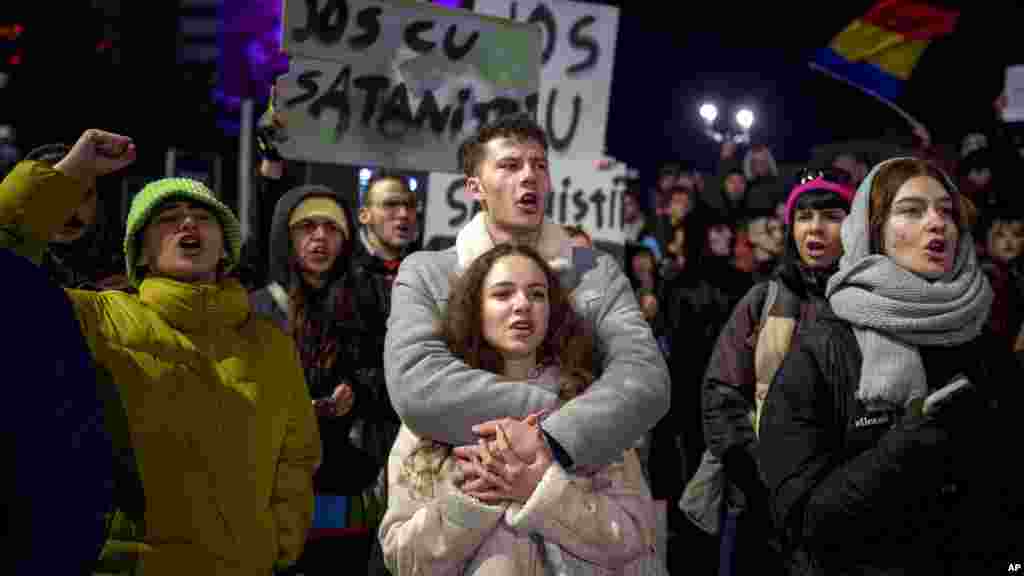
(576, 74)
(581, 195)
(398, 83)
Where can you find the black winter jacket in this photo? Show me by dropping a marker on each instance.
(855, 492)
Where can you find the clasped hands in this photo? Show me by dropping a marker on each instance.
(507, 462)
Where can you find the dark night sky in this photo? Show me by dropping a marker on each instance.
(668, 57)
(751, 52)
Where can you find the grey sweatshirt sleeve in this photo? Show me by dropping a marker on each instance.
(434, 393)
(632, 393)
(440, 397)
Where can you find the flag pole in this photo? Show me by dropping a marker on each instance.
(914, 123)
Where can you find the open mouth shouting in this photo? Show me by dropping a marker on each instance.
(936, 251)
(318, 253)
(190, 245)
(74, 224)
(815, 248)
(521, 329)
(403, 230)
(529, 203)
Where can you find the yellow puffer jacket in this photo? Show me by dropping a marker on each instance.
(218, 413)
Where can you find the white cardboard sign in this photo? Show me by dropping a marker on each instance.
(398, 83)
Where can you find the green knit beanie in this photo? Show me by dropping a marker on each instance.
(154, 194)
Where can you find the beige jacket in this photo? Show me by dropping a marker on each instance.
(604, 518)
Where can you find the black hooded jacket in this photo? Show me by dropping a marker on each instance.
(333, 346)
(858, 492)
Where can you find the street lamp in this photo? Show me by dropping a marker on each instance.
(740, 134)
(709, 112)
(745, 119)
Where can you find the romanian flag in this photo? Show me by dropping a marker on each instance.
(878, 52)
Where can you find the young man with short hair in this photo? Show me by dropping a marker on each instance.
(440, 397)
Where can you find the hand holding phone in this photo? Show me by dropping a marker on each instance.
(943, 397)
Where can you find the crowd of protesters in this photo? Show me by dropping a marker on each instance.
(804, 370)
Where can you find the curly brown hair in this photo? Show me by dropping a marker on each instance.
(568, 343)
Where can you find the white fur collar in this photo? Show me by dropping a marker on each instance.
(473, 240)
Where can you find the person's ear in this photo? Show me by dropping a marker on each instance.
(364, 216)
(475, 189)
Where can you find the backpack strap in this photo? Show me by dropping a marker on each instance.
(769, 299)
(773, 342)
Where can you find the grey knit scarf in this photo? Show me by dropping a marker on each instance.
(894, 311)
